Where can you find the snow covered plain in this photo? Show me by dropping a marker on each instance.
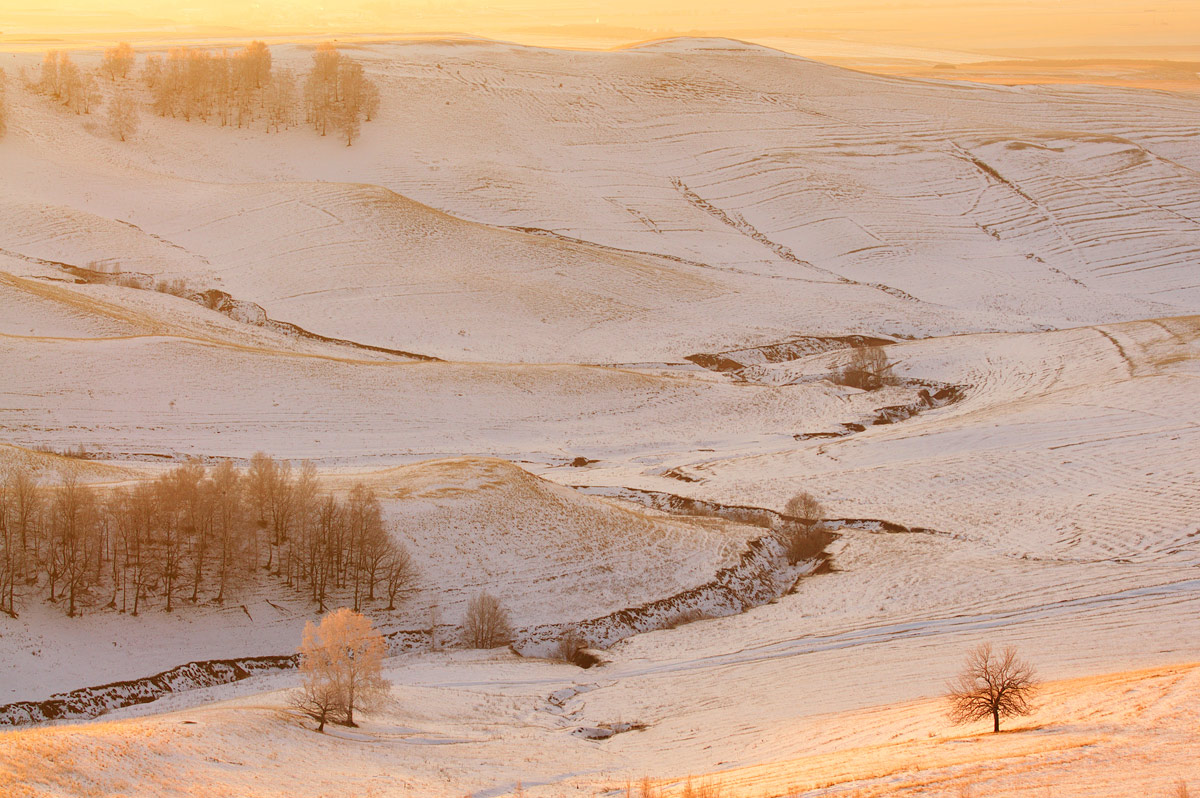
(563, 229)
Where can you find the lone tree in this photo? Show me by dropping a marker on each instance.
(868, 369)
(801, 533)
(486, 625)
(341, 668)
(995, 685)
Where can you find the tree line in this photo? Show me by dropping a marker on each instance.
(195, 534)
(232, 88)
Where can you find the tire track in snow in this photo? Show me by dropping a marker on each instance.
(739, 223)
(1164, 594)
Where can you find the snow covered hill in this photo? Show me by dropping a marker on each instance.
(727, 194)
(636, 273)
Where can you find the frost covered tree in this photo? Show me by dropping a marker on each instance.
(152, 72)
(117, 61)
(353, 87)
(992, 685)
(337, 93)
(48, 79)
(280, 100)
(122, 115)
(486, 624)
(320, 87)
(341, 668)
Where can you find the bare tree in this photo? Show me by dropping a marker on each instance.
(280, 100)
(352, 90)
(122, 115)
(74, 537)
(338, 94)
(570, 645)
(398, 572)
(486, 624)
(320, 87)
(117, 61)
(9, 551)
(805, 507)
(257, 60)
(152, 72)
(319, 697)
(366, 544)
(48, 79)
(801, 533)
(195, 528)
(341, 668)
(70, 83)
(370, 99)
(991, 685)
(868, 369)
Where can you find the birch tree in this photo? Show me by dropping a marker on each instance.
(122, 115)
(341, 668)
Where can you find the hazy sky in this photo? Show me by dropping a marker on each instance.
(957, 24)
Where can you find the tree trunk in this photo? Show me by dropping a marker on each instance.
(995, 721)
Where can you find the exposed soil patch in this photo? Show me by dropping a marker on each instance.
(734, 360)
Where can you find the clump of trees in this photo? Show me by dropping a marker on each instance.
(239, 88)
(117, 61)
(337, 94)
(486, 624)
(63, 81)
(995, 685)
(228, 87)
(867, 369)
(196, 535)
(341, 668)
(233, 88)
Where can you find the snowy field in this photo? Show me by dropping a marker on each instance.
(560, 231)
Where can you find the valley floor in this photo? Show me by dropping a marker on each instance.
(483, 725)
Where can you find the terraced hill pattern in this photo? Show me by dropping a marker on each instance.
(576, 315)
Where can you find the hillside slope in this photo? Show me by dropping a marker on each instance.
(787, 197)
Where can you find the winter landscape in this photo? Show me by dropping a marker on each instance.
(444, 415)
